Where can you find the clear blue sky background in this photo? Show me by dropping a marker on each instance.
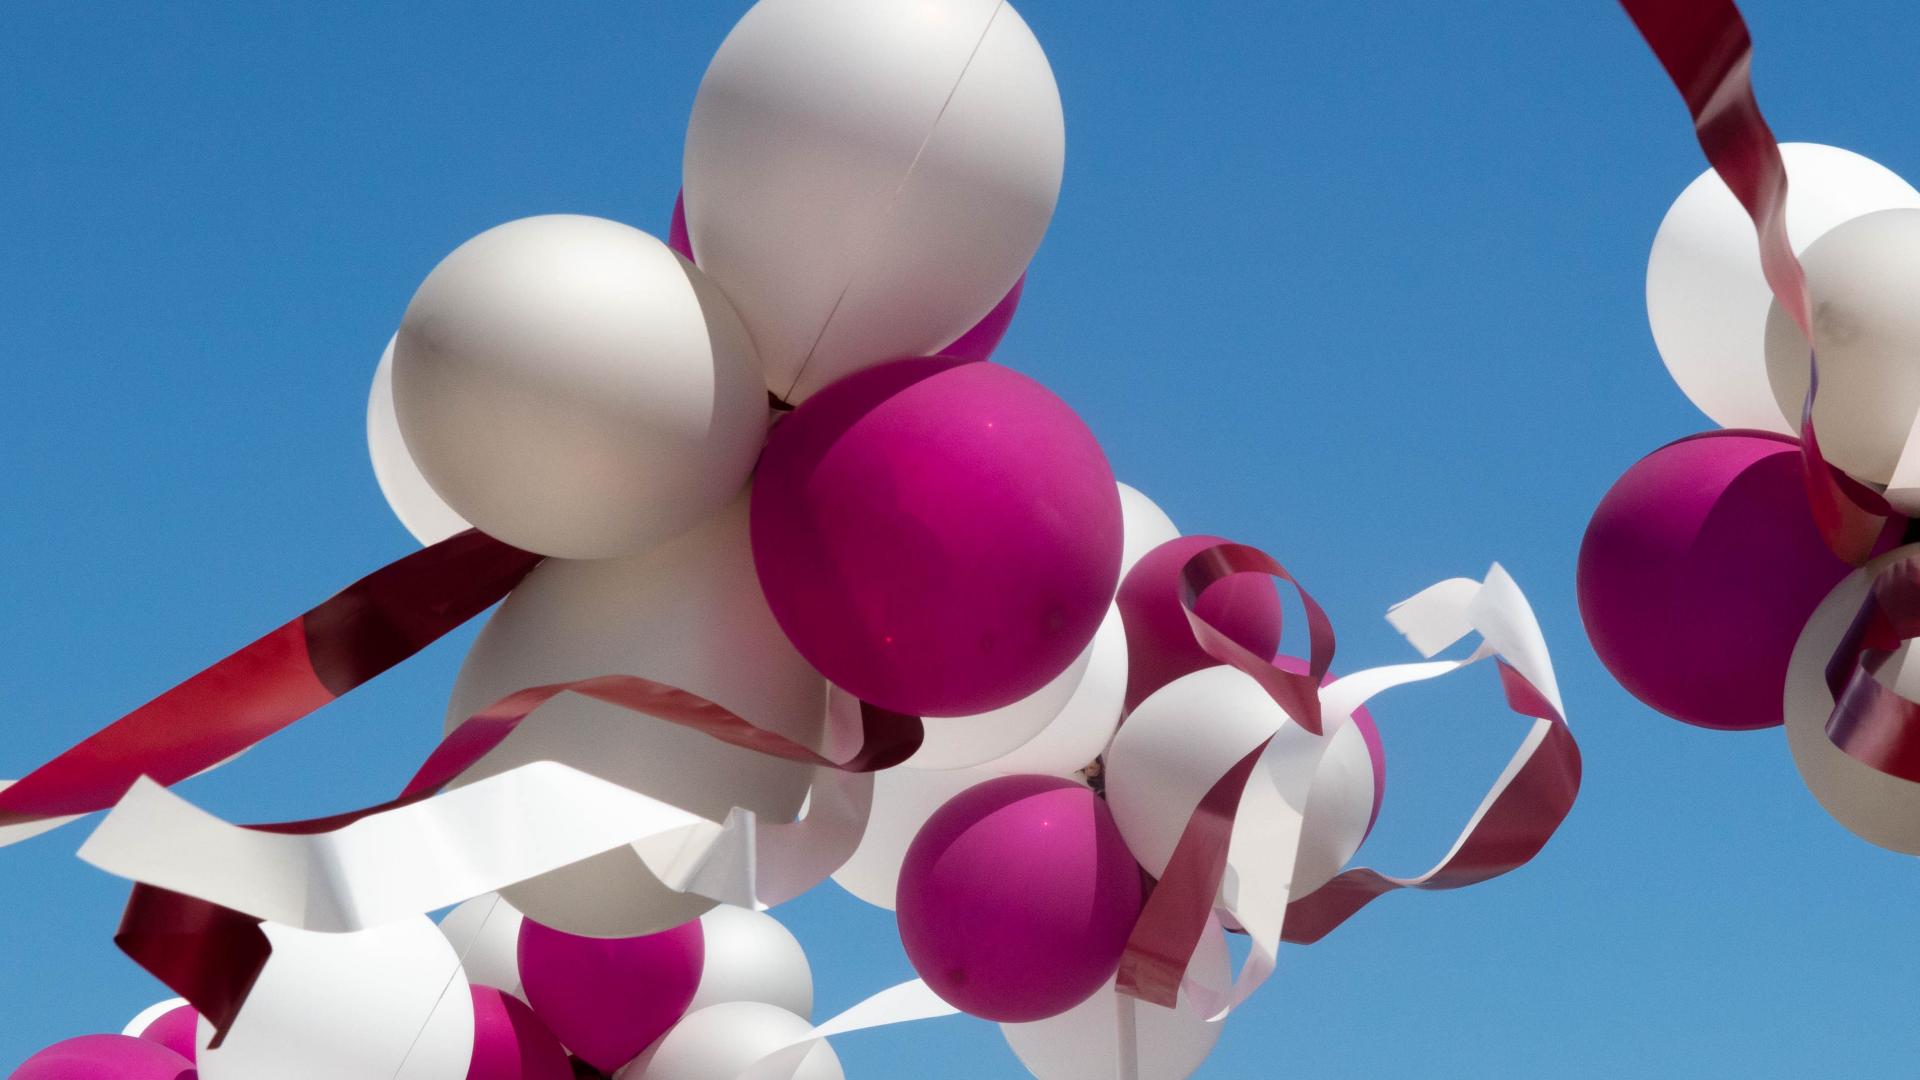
(1360, 284)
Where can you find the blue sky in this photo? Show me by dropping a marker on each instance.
(1359, 284)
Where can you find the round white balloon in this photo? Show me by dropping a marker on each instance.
(720, 1042)
(1083, 1043)
(573, 387)
(1083, 728)
(903, 800)
(688, 613)
(388, 1002)
(867, 178)
(1176, 744)
(421, 509)
(750, 956)
(485, 934)
(1144, 526)
(1874, 806)
(1706, 299)
(1863, 276)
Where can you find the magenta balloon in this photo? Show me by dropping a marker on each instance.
(979, 342)
(105, 1057)
(510, 1042)
(1698, 571)
(177, 1029)
(1160, 643)
(1016, 898)
(936, 536)
(678, 238)
(608, 999)
(1369, 734)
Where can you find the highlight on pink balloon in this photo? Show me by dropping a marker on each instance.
(1016, 898)
(1160, 642)
(175, 1029)
(105, 1057)
(1697, 572)
(937, 537)
(607, 999)
(510, 1042)
(1369, 733)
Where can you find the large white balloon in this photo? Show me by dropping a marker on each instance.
(1083, 728)
(722, 1041)
(688, 613)
(750, 956)
(867, 178)
(485, 934)
(421, 509)
(956, 742)
(903, 800)
(387, 1002)
(1083, 1043)
(1874, 806)
(1144, 526)
(1706, 299)
(1864, 278)
(1176, 744)
(571, 386)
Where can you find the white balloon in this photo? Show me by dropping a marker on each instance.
(1083, 1043)
(903, 800)
(386, 1002)
(421, 509)
(1082, 730)
(1706, 299)
(750, 956)
(720, 1042)
(1874, 806)
(146, 1017)
(688, 613)
(957, 742)
(1144, 526)
(1176, 744)
(573, 387)
(1863, 277)
(867, 178)
(485, 934)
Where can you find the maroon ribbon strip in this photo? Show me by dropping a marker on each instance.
(1296, 692)
(1871, 722)
(1706, 50)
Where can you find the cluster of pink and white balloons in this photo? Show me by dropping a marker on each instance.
(1704, 583)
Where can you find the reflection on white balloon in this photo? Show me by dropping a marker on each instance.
(688, 613)
(571, 386)
(903, 800)
(421, 509)
(750, 956)
(1706, 299)
(721, 1042)
(387, 1002)
(866, 178)
(485, 934)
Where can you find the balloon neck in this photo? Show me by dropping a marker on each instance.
(1095, 775)
(777, 403)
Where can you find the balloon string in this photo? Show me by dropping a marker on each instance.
(459, 965)
(893, 200)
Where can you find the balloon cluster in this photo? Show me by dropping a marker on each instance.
(797, 582)
(1722, 579)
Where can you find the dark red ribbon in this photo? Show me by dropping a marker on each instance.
(1296, 692)
(1871, 722)
(1705, 47)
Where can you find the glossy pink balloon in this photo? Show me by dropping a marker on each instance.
(510, 1042)
(976, 344)
(1698, 571)
(608, 999)
(105, 1057)
(177, 1029)
(1016, 898)
(936, 536)
(1160, 644)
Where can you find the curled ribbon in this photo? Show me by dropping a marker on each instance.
(1707, 52)
(1873, 723)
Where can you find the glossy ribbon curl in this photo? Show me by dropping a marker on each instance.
(1706, 50)
(1873, 723)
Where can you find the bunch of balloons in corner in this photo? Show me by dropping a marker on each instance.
(1763, 574)
(806, 586)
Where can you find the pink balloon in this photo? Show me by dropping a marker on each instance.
(105, 1057)
(976, 344)
(937, 537)
(1160, 644)
(510, 1042)
(1698, 571)
(608, 999)
(176, 1029)
(1369, 734)
(1016, 898)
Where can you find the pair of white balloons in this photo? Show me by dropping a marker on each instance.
(1739, 356)
(864, 179)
